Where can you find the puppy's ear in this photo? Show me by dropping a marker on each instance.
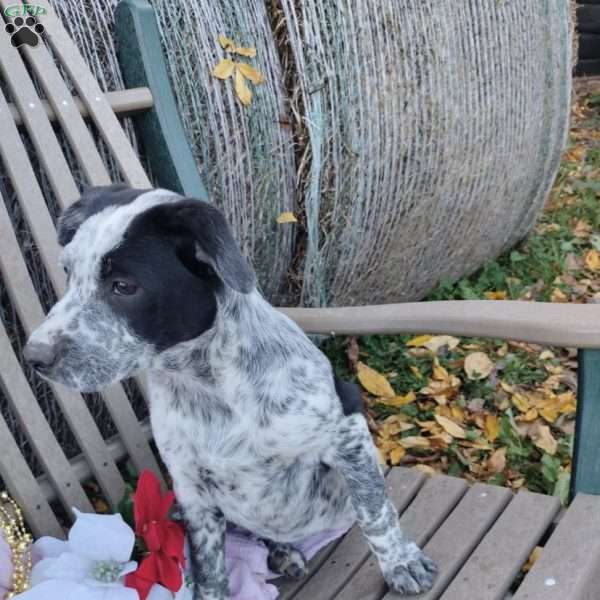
(92, 201)
(206, 227)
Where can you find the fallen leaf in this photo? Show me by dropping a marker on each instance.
(224, 69)
(542, 437)
(533, 558)
(426, 469)
(397, 454)
(418, 341)
(455, 430)
(558, 296)
(520, 401)
(478, 365)
(399, 400)
(414, 441)
(374, 382)
(416, 372)
(582, 229)
(242, 51)
(592, 260)
(492, 427)
(496, 295)
(250, 73)
(440, 341)
(241, 88)
(226, 42)
(286, 217)
(497, 461)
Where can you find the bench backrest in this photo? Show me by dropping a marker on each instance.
(47, 150)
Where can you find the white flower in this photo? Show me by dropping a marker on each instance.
(91, 565)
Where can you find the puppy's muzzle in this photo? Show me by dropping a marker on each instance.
(42, 356)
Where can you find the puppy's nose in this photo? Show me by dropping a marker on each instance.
(39, 355)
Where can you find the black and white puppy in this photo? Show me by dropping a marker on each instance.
(245, 410)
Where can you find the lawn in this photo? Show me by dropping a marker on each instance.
(485, 409)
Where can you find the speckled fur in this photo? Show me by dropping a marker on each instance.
(245, 416)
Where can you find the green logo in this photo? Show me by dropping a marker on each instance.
(24, 10)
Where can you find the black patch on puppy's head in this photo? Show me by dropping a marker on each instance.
(92, 201)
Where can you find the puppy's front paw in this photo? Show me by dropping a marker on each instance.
(414, 575)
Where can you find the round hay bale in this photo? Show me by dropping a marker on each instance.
(414, 139)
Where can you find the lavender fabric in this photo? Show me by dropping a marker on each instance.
(246, 555)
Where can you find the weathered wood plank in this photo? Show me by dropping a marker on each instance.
(569, 566)
(123, 103)
(67, 113)
(38, 126)
(576, 325)
(33, 423)
(288, 587)
(436, 499)
(460, 533)
(586, 466)
(493, 566)
(23, 487)
(352, 551)
(92, 96)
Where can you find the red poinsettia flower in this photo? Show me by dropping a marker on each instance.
(164, 539)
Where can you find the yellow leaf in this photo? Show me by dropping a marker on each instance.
(414, 441)
(568, 403)
(530, 415)
(439, 373)
(451, 427)
(542, 437)
(418, 341)
(478, 365)
(592, 260)
(558, 296)
(547, 355)
(250, 73)
(397, 454)
(520, 401)
(426, 469)
(249, 52)
(224, 69)
(399, 400)
(492, 427)
(416, 372)
(374, 382)
(287, 217)
(226, 43)
(241, 89)
(496, 295)
(533, 558)
(497, 461)
(439, 341)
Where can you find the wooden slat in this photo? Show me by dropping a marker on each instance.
(436, 499)
(36, 428)
(460, 533)
(353, 550)
(23, 179)
(124, 103)
(288, 587)
(23, 487)
(576, 325)
(38, 126)
(493, 566)
(68, 115)
(91, 95)
(58, 170)
(569, 566)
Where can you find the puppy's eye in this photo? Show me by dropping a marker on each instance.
(65, 269)
(124, 288)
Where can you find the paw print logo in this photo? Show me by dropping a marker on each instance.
(24, 31)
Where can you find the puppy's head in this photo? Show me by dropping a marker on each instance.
(143, 268)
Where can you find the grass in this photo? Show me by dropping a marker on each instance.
(529, 393)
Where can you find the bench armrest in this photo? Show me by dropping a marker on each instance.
(567, 325)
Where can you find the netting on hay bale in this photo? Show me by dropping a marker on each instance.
(414, 139)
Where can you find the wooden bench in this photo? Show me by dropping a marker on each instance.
(480, 535)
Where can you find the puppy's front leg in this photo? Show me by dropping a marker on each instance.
(205, 528)
(405, 567)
